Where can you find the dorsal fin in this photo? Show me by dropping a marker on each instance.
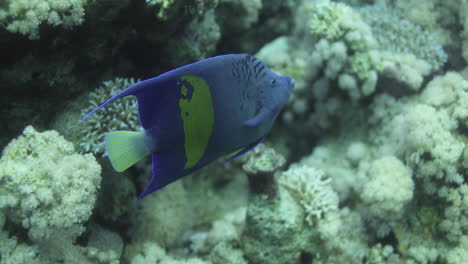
(259, 118)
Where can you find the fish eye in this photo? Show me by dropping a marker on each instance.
(272, 81)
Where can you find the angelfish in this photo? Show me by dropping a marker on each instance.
(197, 113)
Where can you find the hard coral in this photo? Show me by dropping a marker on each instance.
(396, 34)
(346, 48)
(121, 115)
(312, 189)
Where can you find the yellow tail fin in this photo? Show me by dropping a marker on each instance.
(126, 148)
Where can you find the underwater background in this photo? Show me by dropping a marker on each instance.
(367, 163)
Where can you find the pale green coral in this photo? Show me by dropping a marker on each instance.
(46, 186)
(377, 44)
(427, 131)
(449, 91)
(25, 16)
(388, 200)
(346, 49)
(337, 21)
(421, 130)
(327, 19)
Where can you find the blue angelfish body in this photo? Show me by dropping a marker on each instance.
(197, 113)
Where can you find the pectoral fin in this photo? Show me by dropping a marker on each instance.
(261, 116)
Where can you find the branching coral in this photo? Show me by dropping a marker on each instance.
(25, 16)
(313, 191)
(345, 40)
(329, 19)
(121, 115)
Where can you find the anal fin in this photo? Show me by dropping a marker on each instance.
(166, 169)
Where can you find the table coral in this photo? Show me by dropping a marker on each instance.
(25, 16)
(46, 186)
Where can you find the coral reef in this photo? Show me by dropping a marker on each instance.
(367, 163)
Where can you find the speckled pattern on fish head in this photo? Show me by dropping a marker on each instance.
(261, 85)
